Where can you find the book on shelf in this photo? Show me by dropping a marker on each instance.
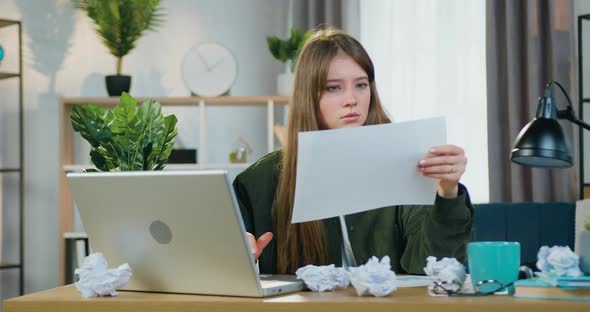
(535, 288)
(564, 281)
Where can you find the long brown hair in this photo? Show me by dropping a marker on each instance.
(304, 243)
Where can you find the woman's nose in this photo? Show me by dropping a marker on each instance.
(350, 99)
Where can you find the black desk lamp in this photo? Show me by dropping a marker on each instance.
(541, 142)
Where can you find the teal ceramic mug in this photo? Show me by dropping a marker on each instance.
(493, 261)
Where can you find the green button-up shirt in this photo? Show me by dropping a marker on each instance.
(407, 234)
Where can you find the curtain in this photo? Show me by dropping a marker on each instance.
(529, 43)
(308, 14)
(429, 58)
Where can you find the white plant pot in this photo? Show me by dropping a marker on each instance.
(584, 252)
(285, 83)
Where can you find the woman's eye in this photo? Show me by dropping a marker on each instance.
(332, 88)
(362, 85)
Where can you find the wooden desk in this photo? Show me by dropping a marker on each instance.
(67, 298)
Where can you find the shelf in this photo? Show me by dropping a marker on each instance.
(9, 266)
(172, 167)
(17, 167)
(206, 166)
(3, 170)
(4, 23)
(8, 75)
(185, 100)
(75, 235)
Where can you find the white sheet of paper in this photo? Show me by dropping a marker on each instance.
(345, 171)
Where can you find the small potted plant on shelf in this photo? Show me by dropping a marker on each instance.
(128, 137)
(119, 23)
(286, 52)
(240, 154)
(584, 246)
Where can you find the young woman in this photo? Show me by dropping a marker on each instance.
(334, 87)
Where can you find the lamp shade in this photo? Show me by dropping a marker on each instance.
(541, 143)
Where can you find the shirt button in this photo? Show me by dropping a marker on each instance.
(351, 228)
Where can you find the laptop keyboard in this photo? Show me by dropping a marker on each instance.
(274, 283)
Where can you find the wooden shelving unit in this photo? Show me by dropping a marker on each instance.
(584, 101)
(11, 25)
(67, 135)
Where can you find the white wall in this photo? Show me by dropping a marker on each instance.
(64, 57)
(430, 60)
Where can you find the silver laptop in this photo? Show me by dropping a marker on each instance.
(180, 231)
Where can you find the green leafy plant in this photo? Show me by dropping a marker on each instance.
(119, 23)
(128, 137)
(287, 49)
(587, 225)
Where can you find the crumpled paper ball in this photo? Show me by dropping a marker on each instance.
(558, 260)
(448, 271)
(96, 279)
(323, 278)
(374, 278)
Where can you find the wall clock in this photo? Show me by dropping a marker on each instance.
(209, 69)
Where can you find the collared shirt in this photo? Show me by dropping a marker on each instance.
(347, 253)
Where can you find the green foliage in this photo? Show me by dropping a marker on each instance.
(128, 137)
(286, 50)
(119, 23)
(587, 225)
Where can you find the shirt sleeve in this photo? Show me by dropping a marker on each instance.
(244, 204)
(439, 230)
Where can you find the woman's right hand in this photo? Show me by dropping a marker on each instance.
(256, 246)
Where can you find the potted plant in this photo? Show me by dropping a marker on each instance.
(286, 52)
(119, 23)
(584, 246)
(128, 137)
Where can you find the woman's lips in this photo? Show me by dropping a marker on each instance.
(350, 117)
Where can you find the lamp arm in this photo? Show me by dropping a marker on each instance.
(567, 113)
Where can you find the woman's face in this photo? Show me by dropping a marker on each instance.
(344, 102)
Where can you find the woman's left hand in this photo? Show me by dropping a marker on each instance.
(446, 163)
